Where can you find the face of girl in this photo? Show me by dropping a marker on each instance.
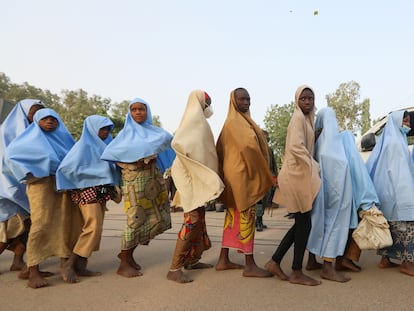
(138, 112)
(32, 111)
(104, 132)
(406, 121)
(242, 99)
(48, 124)
(306, 101)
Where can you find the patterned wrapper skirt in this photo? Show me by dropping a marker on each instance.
(239, 229)
(402, 233)
(192, 239)
(146, 204)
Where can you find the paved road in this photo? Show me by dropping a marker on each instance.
(371, 289)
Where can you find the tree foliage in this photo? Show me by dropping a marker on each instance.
(73, 106)
(351, 114)
(276, 121)
(365, 116)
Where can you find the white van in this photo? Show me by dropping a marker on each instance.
(367, 141)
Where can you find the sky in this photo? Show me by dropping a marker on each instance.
(162, 50)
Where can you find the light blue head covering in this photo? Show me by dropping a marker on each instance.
(137, 140)
(36, 151)
(392, 171)
(82, 166)
(363, 190)
(13, 197)
(331, 213)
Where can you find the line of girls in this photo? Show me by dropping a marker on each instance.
(55, 197)
(326, 209)
(42, 159)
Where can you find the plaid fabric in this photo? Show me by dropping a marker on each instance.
(97, 194)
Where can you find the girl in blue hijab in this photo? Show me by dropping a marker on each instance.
(14, 205)
(92, 182)
(331, 211)
(34, 157)
(392, 170)
(364, 196)
(146, 202)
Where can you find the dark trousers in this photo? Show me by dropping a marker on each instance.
(298, 234)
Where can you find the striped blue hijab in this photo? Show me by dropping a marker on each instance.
(82, 166)
(137, 140)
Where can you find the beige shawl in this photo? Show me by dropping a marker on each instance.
(194, 169)
(298, 179)
(243, 160)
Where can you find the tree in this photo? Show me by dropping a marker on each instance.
(156, 121)
(14, 92)
(73, 106)
(120, 109)
(348, 110)
(4, 85)
(276, 121)
(365, 116)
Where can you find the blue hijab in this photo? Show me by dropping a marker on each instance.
(36, 151)
(165, 159)
(392, 171)
(82, 166)
(364, 195)
(13, 197)
(137, 140)
(331, 213)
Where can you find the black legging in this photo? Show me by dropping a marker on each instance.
(298, 234)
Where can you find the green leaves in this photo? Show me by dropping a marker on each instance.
(73, 106)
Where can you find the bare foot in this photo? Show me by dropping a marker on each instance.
(17, 265)
(407, 268)
(68, 273)
(274, 268)
(329, 273)
(227, 265)
(87, 272)
(387, 263)
(312, 263)
(198, 265)
(18, 262)
(131, 261)
(313, 266)
(178, 276)
(256, 272)
(24, 274)
(126, 270)
(298, 277)
(81, 269)
(342, 264)
(35, 278)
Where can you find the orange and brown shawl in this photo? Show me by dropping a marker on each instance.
(243, 160)
(298, 179)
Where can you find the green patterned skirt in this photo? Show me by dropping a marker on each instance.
(146, 204)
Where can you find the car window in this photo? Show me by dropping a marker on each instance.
(410, 135)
